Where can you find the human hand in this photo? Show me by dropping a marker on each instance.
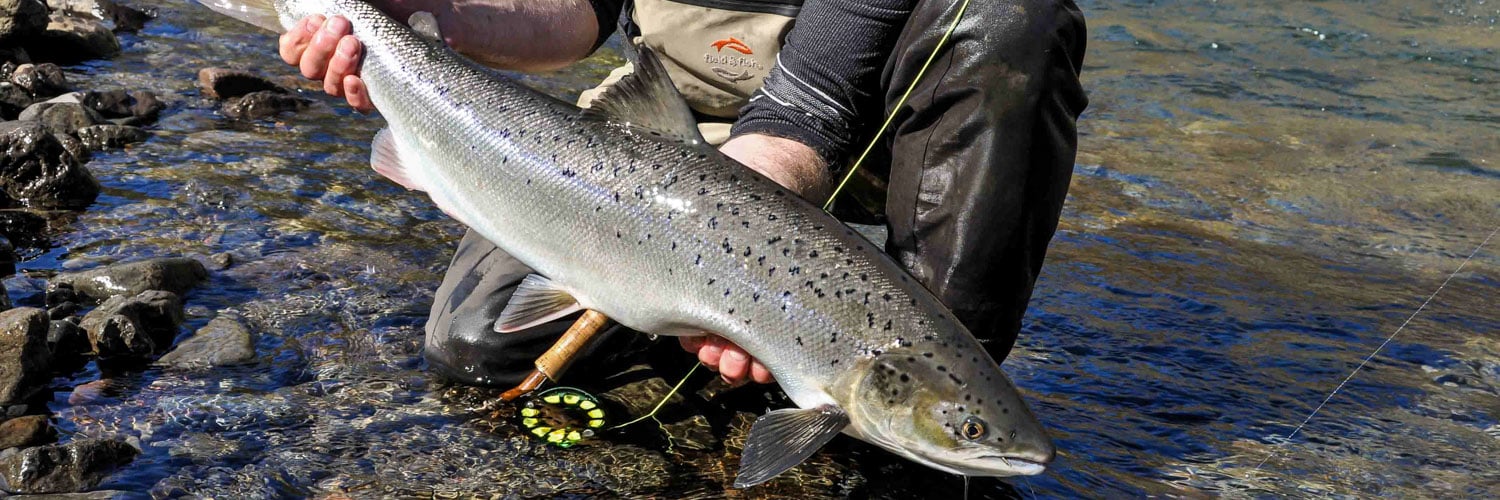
(732, 362)
(326, 49)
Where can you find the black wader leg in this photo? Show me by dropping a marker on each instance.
(982, 153)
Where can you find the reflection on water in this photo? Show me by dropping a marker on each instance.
(1265, 191)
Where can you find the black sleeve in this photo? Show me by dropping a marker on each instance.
(608, 14)
(825, 87)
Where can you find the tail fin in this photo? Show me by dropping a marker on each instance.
(261, 13)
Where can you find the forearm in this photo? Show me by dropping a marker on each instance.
(522, 35)
(790, 163)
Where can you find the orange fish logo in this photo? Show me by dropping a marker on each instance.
(733, 44)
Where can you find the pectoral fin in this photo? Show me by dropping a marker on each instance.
(781, 439)
(537, 300)
(385, 158)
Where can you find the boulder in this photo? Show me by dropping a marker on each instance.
(61, 117)
(40, 81)
(120, 18)
(30, 430)
(133, 326)
(110, 136)
(21, 19)
(226, 83)
(173, 274)
(63, 468)
(24, 357)
(70, 39)
(263, 104)
(224, 341)
(39, 169)
(13, 100)
(65, 339)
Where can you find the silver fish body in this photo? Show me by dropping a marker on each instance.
(672, 238)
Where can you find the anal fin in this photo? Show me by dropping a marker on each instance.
(537, 300)
(385, 158)
(781, 439)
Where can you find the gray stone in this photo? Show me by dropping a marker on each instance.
(107, 136)
(133, 326)
(40, 81)
(30, 430)
(66, 339)
(40, 170)
(24, 358)
(226, 83)
(21, 19)
(224, 341)
(63, 468)
(69, 39)
(61, 117)
(116, 16)
(136, 107)
(173, 274)
(263, 104)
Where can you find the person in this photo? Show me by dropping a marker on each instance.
(976, 162)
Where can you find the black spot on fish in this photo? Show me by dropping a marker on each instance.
(770, 216)
(617, 234)
(838, 249)
(674, 246)
(761, 260)
(780, 192)
(698, 260)
(926, 354)
(799, 338)
(942, 368)
(712, 280)
(887, 325)
(823, 276)
(905, 377)
(835, 362)
(726, 292)
(773, 240)
(713, 222)
(747, 251)
(756, 197)
(734, 210)
(702, 191)
(955, 378)
(731, 310)
(864, 277)
(771, 271)
(745, 224)
(655, 166)
(755, 297)
(795, 270)
(886, 296)
(670, 181)
(701, 177)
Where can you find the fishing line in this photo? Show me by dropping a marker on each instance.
(1382, 345)
(652, 414)
(828, 205)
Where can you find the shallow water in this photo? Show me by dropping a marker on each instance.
(1265, 191)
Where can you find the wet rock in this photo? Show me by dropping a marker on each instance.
(63, 310)
(263, 104)
(60, 116)
(224, 341)
(21, 19)
(7, 260)
(10, 56)
(70, 39)
(108, 136)
(24, 357)
(226, 83)
(119, 17)
(173, 274)
(59, 294)
(124, 108)
(40, 81)
(23, 228)
(90, 495)
(638, 390)
(13, 100)
(30, 430)
(65, 468)
(133, 326)
(38, 169)
(65, 339)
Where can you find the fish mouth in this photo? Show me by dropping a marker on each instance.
(1018, 466)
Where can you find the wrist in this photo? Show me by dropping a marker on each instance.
(789, 163)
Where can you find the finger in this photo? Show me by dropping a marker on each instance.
(734, 365)
(759, 373)
(691, 344)
(357, 95)
(345, 62)
(713, 348)
(320, 50)
(294, 41)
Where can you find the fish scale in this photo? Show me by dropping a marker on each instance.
(672, 238)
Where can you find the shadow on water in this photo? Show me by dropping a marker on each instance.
(1265, 191)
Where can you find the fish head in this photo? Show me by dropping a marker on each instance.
(948, 409)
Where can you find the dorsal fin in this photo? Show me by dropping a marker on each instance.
(646, 101)
(425, 25)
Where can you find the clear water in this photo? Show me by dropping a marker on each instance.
(1265, 191)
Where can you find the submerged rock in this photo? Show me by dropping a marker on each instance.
(30, 430)
(263, 104)
(108, 136)
(226, 83)
(21, 19)
(64, 468)
(137, 107)
(24, 357)
(173, 274)
(39, 169)
(69, 39)
(40, 81)
(223, 341)
(23, 228)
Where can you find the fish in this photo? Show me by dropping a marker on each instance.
(624, 209)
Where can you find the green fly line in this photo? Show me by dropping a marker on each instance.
(828, 205)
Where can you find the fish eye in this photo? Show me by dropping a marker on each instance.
(973, 428)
